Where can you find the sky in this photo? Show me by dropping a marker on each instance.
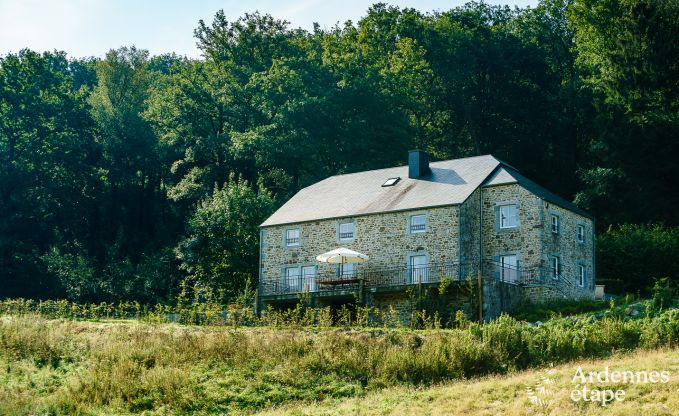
(92, 27)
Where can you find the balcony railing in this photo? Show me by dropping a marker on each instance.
(292, 241)
(400, 276)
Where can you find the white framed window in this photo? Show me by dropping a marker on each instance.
(347, 270)
(292, 237)
(556, 267)
(292, 279)
(509, 217)
(581, 275)
(555, 224)
(419, 270)
(509, 268)
(581, 233)
(418, 223)
(309, 278)
(346, 231)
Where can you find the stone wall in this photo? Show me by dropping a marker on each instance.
(534, 243)
(383, 237)
(523, 240)
(571, 252)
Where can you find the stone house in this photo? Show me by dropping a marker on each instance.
(474, 226)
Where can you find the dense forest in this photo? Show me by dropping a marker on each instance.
(123, 176)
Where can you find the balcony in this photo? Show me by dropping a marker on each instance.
(371, 278)
(398, 278)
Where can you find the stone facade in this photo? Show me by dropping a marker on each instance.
(383, 237)
(467, 234)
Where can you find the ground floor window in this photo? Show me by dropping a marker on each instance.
(556, 267)
(292, 279)
(581, 276)
(419, 270)
(509, 268)
(347, 270)
(309, 278)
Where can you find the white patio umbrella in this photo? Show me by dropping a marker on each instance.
(342, 256)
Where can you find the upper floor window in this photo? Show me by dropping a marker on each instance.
(292, 237)
(555, 224)
(346, 231)
(418, 223)
(581, 233)
(556, 267)
(508, 216)
(581, 276)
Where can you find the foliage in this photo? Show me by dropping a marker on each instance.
(533, 312)
(638, 254)
(107, 165)
(134, 367)
(222, 246)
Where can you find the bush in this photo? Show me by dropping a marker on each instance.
(637, 254)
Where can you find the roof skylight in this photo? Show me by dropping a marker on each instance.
(391, 181)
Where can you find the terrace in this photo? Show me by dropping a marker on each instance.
(394, 279)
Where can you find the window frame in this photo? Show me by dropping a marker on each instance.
(287, 279)
(555, 224)
(341, 270)
(423, 225)
(286, 239)
(578, 228)
(339, 230)
(555, 267)
(582, 275)
(509, 268)
(391, 181)
(311, 285)
(500, 216)
(422, 272)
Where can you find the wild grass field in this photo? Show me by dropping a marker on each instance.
(58, 366)
(507, 395)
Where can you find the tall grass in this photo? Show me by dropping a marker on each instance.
(56, 366)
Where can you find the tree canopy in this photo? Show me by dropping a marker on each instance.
(122, 176)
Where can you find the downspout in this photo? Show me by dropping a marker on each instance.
(258, 294)
(593, 254)
(480, 277)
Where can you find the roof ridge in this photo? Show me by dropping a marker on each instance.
(406, 165)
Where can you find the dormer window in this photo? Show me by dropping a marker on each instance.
(391, 182)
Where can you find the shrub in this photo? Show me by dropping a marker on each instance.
(636, 254)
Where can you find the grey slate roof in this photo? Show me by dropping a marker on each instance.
(450, 183)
